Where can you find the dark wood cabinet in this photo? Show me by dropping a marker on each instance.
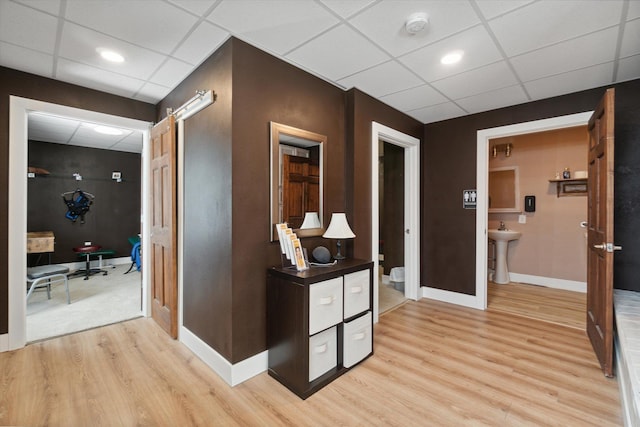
(319, 323)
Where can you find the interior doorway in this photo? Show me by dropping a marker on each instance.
(411, 219)
(18, 156)
(483, 141)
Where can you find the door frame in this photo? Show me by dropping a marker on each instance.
(482, 183)
(19, 108)
(411, 147)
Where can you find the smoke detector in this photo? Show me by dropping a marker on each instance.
(416, 23)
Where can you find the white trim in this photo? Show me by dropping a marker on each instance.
(180, 231)
(19, 109)
(482, 156)
(411, 147)
(231, 374)
(4, 342)
(450, 297)
(549, 282)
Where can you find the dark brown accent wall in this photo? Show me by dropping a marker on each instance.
(115, 213)
(449, 166)
(227, 206)
(26, 85)
(362, 109)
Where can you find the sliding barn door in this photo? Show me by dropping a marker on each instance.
(163, 251)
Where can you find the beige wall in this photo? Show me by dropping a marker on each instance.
(552, 244)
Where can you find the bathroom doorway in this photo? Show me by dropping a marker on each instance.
(483, 148)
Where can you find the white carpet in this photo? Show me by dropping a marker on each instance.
(99, 301)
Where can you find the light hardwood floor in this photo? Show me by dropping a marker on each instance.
(557, 306)
(435, 364)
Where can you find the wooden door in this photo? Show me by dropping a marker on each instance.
(163, 251)
(600, 233)
(300, 188)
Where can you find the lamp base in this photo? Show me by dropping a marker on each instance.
(338, 255)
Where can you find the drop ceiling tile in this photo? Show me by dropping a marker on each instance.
(199, 7)
(511, 95)
(478, 47)
(436, 113)
(634, 10)
(356, 53)
(631, 39)
(592, 49)
(49, 6)
(474, 82)
(546, 22)
(200, 44)
(152, 93)
(382, 79)
(128, 148)
(171, 73)
(492, 8)
(163, 25)
(411, 99)
(628, 68)
(573, 81)
(28, 60)
(15, 18)
(346, 8)
(384, 23)
(276, 25)
(95, 78)
(79, 44)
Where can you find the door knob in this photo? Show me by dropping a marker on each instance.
(584, 224)
(602, 246)
(609, 247)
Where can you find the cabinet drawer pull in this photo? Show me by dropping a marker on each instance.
(326, 300)
(356, 290)
(359, 336)
(322, 348)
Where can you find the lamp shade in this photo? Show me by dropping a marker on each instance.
(338, 228)
(311, 220)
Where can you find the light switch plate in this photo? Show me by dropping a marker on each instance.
(522, 219)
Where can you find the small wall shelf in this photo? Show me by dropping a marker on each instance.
(570, 187)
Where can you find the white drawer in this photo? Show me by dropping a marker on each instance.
(323, 352)
(357, 340)
(325, 304)
(356, 293)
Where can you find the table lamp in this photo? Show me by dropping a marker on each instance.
(311, 220)
(338, 229)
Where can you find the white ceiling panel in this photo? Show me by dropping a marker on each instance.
(547, 22)
(15, 19)
(569, 82)
(511, 95)
(27, 60)
(631, 39)
(568, 56)
(79, 44)
(629, 68)
(152, 24)
(376, 81)
(544, 47)
(411, 99)
(492, 8)
(384, 23)
(480, 80)
(347, 8)
(479, 50)
(193, 50)
(437, 112)
(98, 79)
(355, 53)
(276, 25)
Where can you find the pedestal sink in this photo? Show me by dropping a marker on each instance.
(502, 239)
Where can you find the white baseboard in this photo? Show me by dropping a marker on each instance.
(4, 342)
(465, 300)
(549, 282)
(231, 374)
(94, 263)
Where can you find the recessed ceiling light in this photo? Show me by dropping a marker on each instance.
(106, 130)
(110, 55)
(452, 57)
